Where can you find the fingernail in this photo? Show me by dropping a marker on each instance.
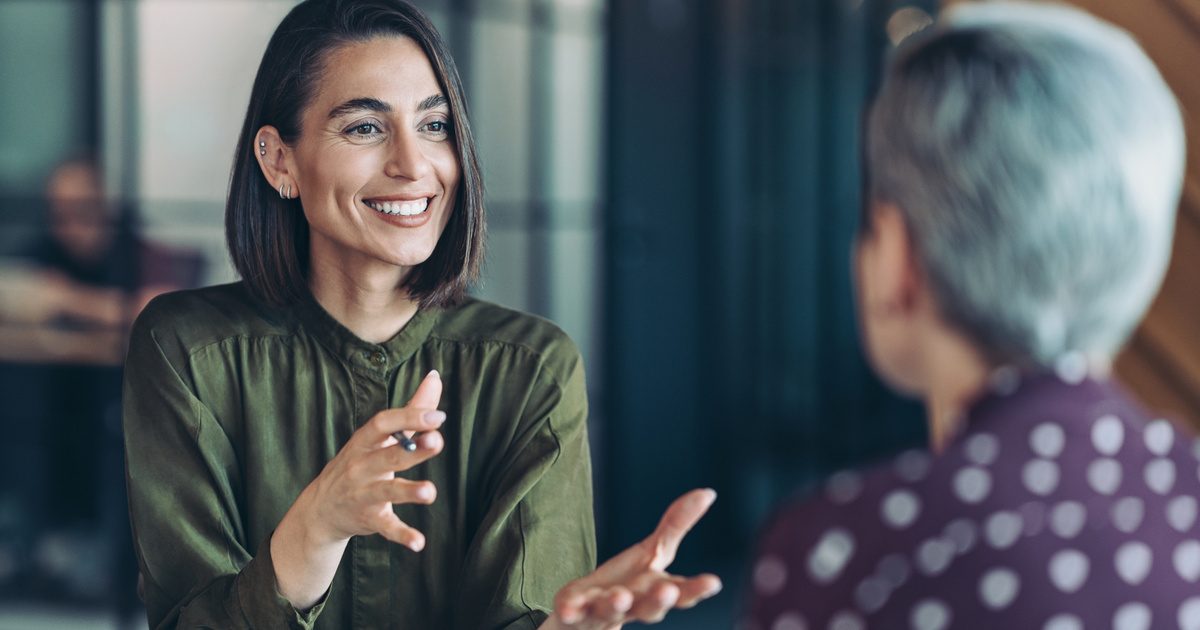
(434, 374)
(425, 492)
(417, 544)
(434, 418)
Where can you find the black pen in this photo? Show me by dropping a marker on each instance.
(406, 442)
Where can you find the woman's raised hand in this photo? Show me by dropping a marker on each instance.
(354, 494)
(634, 585)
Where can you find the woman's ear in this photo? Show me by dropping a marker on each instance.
(892, 262)
(275, 160)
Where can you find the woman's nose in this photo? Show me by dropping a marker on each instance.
(407, 159)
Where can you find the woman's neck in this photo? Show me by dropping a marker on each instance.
(370, 303)
(956, 376)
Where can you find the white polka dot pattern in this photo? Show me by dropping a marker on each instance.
(1107, 435)
(998, 588)
(770, 575)
(1067, 518)
(1069, 570)
(1063, 622)
(1127, 514)
(1160, 475)
(1002, 529)
(1133, 560)
(934, 555)
(843, 487)
(972, 485)
(1133, 616)
(789, 621)
(913, 465)
(1104, 475)
(1071, 367)
(900, 508)
(1040, 476)
(1101, 504)
(982, 448)
(830, 555)
(1181, 513)
(871, 594)
(1189, 614)
(963, 533)
(1159, 437)
(894, 569)
(1187, 560)
(930, 614)
(1033, 516)
(847, 620)
(1047, 440)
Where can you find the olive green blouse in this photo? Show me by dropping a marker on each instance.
(232, 407)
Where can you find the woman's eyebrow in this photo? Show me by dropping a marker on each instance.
(432, 102)
(356, 104)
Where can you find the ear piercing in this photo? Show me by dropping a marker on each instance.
(262, 147)
(283, 188)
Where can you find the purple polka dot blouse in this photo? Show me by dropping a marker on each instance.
(1059, 506)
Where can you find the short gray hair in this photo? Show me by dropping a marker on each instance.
(1037, 156)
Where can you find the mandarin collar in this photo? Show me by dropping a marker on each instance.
(359, 353)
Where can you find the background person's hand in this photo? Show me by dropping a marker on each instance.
(634, 585)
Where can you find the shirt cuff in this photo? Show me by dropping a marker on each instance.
(263, 606)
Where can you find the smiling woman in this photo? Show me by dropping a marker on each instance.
(262, 418)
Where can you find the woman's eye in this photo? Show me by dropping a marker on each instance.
(365, 129)
(438, 127)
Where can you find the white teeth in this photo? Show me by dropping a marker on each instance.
(404, 209)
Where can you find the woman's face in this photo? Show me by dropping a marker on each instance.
(890, 320)
(375, 166)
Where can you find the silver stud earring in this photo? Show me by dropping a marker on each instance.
(262, 147)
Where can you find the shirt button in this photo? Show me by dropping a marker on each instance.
(379, 358)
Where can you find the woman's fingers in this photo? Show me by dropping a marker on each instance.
(392, 528)
(402, 491)
(654, 604)
(696, 589)
(677, 521)
(428, 393)
(608, 606)
(420, 414)
(395, 459)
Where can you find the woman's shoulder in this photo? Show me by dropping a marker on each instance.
(195, 317)
(479, 322)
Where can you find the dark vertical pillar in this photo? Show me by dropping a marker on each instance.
(655, 269)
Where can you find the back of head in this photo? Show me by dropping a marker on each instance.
(1037, 156)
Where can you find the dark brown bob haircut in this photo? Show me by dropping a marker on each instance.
(268, 236)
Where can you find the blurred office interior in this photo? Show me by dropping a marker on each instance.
(674, 182)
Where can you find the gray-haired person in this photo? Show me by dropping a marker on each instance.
(1024, 163)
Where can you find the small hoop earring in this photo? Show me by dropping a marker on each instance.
(289, 191)
(281, 195)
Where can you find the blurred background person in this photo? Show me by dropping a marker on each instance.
(659, 172)
(1023, 165)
